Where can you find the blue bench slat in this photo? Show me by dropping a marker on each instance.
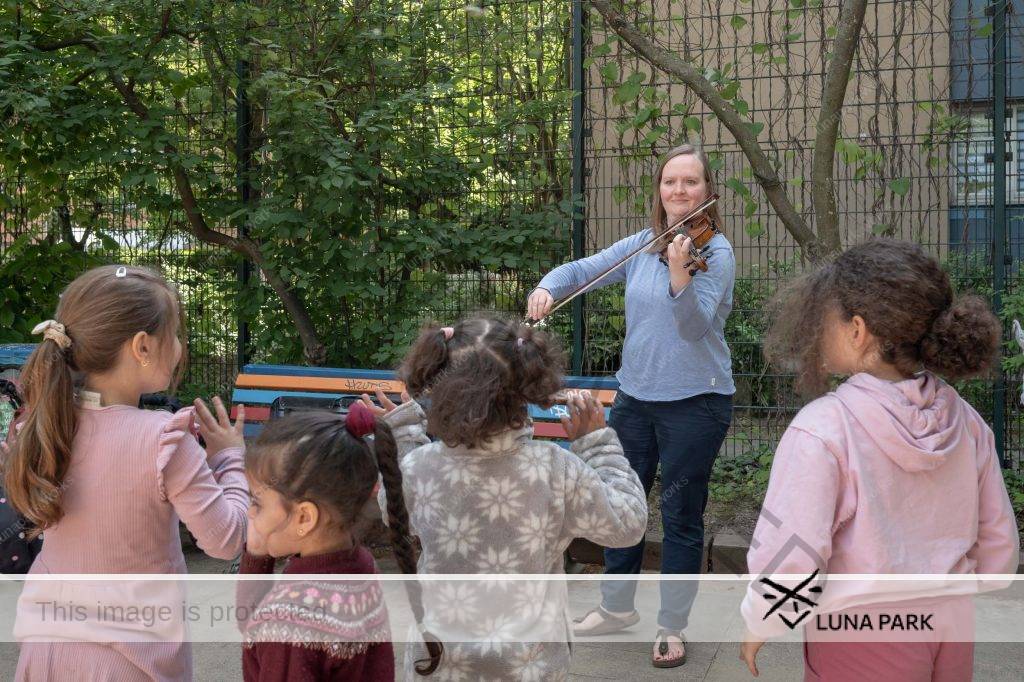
(253, 430)
(15, 354)
(252, 396)
(610, 383)
(539, 414)
(256, 396)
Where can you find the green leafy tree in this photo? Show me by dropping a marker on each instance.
(389, 146)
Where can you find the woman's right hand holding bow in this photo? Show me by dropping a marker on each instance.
(538, 305)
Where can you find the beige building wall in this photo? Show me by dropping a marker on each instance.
(901, 72)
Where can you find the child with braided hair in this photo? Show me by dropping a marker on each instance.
(486, 498)
(311, 478)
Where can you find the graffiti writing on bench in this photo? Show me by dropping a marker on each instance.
(363, 385)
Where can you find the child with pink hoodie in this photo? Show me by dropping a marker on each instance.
(891, 473)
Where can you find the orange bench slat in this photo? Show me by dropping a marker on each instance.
(291, 383)
(606, 396)
(337, 385)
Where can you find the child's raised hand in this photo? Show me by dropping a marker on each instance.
(586, 414)
(218, 431)
(386, 405)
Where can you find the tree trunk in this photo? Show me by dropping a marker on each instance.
(823, 194)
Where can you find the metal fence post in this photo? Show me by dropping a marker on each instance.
(243, 160)
(578, 175)
(999, 9)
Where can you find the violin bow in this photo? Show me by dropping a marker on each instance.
(700, 208)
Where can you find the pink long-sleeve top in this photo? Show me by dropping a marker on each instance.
(133, 475)
(882, 477)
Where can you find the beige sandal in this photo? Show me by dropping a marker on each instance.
(607, 625)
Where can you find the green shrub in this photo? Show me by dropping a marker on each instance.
(744, 476)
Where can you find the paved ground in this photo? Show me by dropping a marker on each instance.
(622, 660)
(628, 661)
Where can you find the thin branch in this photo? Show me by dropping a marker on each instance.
(762, 167)
(81, 77)
(165, 21)
(81, 40)
(218, 79)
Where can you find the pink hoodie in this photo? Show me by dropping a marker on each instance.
(881, 477)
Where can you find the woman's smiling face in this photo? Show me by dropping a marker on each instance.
(682, 186)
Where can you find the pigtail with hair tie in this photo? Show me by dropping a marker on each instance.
(360, 421)
(54, 331)
(426, 359)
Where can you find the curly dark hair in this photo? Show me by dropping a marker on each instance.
(906, 302)
(481, 381)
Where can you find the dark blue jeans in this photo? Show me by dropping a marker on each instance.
(684, 437)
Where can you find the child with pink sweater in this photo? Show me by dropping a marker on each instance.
(108, 482)
(891, 473)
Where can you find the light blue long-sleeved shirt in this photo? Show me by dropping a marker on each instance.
(675, 345)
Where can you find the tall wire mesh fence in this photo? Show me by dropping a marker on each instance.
(914, 159)
(75, 213)
(478, 98)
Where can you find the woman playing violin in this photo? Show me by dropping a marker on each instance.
(674, 403)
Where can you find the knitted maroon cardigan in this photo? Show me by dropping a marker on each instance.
(315, 629)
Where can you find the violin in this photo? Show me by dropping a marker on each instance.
(700, 229)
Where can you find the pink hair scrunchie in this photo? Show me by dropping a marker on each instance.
(360, 421)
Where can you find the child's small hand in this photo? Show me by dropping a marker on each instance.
(218, 432)
(386, 405)
(586, 414)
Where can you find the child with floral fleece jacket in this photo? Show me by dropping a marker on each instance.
(486, 497)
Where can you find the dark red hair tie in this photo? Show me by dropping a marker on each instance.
(360, 421)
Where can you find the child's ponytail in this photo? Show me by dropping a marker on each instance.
(98, 312)
(536, 355)
(398, 525)
(907, 303)
(963, 339)
(427, 358)
(35, 468)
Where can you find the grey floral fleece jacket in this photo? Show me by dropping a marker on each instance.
(512, 505)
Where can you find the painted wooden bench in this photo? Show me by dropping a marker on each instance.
(259, 386)
(12, 357)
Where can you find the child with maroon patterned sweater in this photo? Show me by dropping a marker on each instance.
(311, 476)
